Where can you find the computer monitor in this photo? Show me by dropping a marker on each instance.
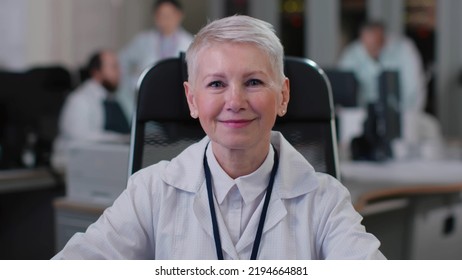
(30, 103)
(389, 105)
(344, 87)
(383, 123)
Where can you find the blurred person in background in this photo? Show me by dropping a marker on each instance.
(166, 40)
(91, 113)
(376, 51)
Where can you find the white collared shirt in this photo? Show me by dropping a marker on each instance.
(238, 199)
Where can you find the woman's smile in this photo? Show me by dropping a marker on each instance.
(237, 123)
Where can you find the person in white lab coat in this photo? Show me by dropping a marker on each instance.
(211, 200)
(375, 52)
(91, 113)
(168, 39)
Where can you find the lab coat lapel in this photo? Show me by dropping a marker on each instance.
(276, 212)
(202, 213)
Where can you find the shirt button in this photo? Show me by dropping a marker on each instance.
(236, 204)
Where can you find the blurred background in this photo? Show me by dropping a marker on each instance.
(410, 198)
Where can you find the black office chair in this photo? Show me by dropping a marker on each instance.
(49, 87)
(162, 126)
(32, 102)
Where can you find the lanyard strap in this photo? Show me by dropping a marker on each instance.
(216, 232)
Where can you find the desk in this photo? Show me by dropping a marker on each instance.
(421, 200)
(13, 180)
(26, 214)
(368, 180)
(72, 217)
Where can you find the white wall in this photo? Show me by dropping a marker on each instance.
(449, 66)
(12, 30)
(46, 24)
(67, 31)
(322, 31)
(390, 12)
(196, 14)
(267, 10)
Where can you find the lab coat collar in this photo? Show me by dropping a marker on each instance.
(96, 89)
(295, 175)
(250, 186)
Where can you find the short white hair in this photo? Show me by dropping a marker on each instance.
(239, 29)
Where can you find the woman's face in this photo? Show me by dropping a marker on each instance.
(236, 95)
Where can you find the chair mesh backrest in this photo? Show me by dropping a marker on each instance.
(163, 127)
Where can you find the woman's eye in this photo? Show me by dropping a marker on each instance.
(254, 82)
(216, 84)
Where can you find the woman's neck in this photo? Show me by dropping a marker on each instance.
(240, 162)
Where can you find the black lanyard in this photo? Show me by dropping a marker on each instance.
(216, 232)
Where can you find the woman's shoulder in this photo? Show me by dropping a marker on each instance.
(330, 184)
(181, 172)
(329, 194)
(149, 176)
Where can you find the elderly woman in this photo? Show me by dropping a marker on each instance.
(242, 192)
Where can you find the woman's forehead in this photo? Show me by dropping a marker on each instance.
(239, 55)
(217, 45)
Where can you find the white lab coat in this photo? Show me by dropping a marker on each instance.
(82, 120)
(164, 214)
(399, 54)
(140, 54)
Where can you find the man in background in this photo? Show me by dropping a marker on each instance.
(166, 40)
(91, 113)
(374, 52)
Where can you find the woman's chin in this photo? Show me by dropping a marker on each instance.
(238, 143)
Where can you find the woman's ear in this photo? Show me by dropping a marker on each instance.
(285, 94)
(190, 98)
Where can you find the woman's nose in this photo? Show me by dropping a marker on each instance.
(237, 99)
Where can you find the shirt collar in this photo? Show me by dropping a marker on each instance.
(221, 181)
(295, 175)
(97, 89)
(250, 186)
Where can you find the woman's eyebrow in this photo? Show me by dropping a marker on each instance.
(214, 76)
(256, 72)
(220, 75)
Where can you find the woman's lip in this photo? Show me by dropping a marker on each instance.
(237, 123)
